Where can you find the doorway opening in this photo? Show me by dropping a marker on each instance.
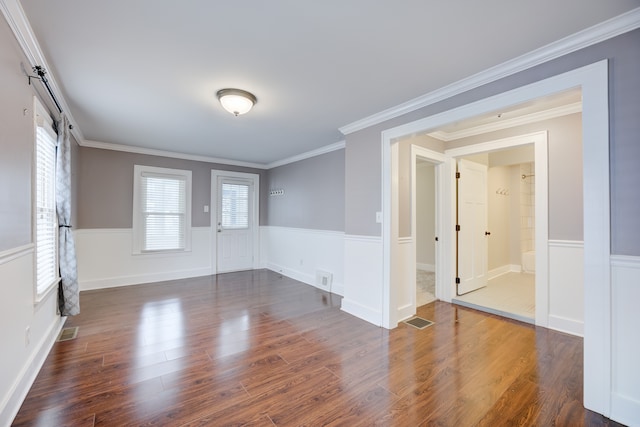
(500, 260)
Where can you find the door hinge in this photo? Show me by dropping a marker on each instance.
(457, 227)
(436, 238)
(457, 280)
(458, 175)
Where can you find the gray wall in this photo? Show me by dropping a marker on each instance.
(17, 143)
(105, 186)
(425, 213)
(363, 154)
(313, 193)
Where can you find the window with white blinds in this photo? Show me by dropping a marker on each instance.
(46, 226)
(162, 214)
(235, 206)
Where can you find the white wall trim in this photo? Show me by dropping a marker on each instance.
(27, 376)
(600, 32)
(566, 243)
(301, 254)
(365, 313)
(313, 153)
(118, 281)
(105, 259)
(509, 123)
(307, 230)
(625, 345)
(362, 238)
(426, 267)
(164, 153)
(14, 253)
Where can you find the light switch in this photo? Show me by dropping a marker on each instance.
(206, 208)
(379, 217)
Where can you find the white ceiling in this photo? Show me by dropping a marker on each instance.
(144, 73)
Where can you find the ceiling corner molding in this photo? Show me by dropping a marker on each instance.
(19, 24)
(313, 153)
(600, 32)
(539, 116)
(170, 154)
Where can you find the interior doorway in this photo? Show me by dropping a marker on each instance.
(425, 233)
(504, 249)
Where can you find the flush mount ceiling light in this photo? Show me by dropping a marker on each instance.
(236, 101)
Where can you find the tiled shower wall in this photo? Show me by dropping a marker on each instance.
(527, 207)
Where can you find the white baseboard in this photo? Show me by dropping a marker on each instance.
(425, 267)
(507, 268)
(115, 282)
(308, 279)
(362, 312)
(28, 375)
(569, 326)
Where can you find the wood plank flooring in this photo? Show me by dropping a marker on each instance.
(257, 349)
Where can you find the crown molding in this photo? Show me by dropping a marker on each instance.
(313, 153)
(171, 154)
(539, 116)
(207, 159)
(600, 32)
(19, 24)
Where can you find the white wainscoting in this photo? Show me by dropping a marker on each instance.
(625, 339)
(566, 286)
(363, 278)
(300, 253)
(22, 360)
(404, 289)
(106, 259)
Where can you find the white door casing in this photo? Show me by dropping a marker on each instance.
(472, 219)
(234, 220)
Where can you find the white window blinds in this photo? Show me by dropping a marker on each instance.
(235, 206)
(46, 227)
(161, 209)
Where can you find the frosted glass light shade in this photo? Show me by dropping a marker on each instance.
(236, 101)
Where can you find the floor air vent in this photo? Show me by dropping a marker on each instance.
(68, 334)
(419, 322)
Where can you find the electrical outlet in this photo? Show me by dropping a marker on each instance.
(27, 336)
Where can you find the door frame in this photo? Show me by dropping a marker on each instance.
(437, 160)
(255, 214)
(594, 81)
(541, 159)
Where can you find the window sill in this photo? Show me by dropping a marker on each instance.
(41, 296)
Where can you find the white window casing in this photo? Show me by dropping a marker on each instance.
(161, 210)
(45, 222)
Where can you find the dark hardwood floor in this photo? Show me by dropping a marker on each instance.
(256, 349)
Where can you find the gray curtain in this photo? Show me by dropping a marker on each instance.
(68, 290)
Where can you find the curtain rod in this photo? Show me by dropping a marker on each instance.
(41, 72)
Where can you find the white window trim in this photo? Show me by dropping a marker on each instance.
(41, 118)
(138, 229)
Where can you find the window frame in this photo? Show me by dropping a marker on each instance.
(138, 221)
(42, 120)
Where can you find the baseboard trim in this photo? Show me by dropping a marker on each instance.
(509, 268)
(29, 373)
(568, 326)
(365, 313)
(426, 267)
(307, 279)
(624, 410)
(115, 282)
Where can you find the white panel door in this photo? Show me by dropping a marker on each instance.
(235, 224)
(472, 219)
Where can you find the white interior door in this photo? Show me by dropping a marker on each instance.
(472, 219)
(235, 224)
